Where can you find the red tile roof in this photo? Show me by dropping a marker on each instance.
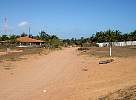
(28, 40)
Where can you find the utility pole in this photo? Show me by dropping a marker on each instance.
(5, 25)
(29, 30)
(5, 32)
(45, 28)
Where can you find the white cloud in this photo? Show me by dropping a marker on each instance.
(22, 24)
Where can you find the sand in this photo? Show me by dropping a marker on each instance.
(64, 75)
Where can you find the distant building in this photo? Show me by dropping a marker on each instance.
(29, 42)
(127, 43)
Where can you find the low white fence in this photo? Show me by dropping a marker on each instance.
(127, 43)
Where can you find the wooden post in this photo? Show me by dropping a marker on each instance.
(110, 50)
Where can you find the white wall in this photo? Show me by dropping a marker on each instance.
(127, 43)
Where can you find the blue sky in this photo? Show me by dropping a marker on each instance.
(68, 18)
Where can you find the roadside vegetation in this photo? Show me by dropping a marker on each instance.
(88, 43)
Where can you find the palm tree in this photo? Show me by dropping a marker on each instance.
(133, 35)
(125, 37)
(118, 35)
(100, 36)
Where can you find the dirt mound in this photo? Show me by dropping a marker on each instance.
(128, 93)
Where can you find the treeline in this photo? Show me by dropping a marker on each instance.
(103, 36)
(53, 40)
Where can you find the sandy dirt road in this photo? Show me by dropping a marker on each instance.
(63, 75)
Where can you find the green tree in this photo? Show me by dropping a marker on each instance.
(118, 35)
(132, 36)
(12, 38)
(4, 37)
(55, 41)
(44, 36)
(100, 36)
(23, 34)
